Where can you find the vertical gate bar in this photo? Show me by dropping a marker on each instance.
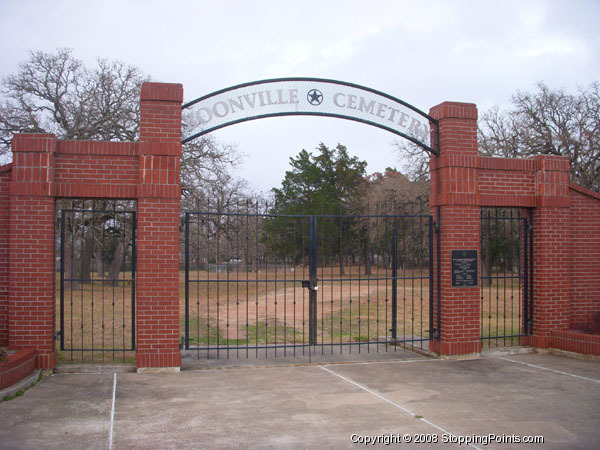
(62, 279)
(510, 264)
(237, 277)
(412, 262)
(322, 254)
(368, 274)
(504, 273)
(525, 280)
(285, 284)
(405, 252)
(394, 284)
(256, 283)
(208, 283)
(187, 281)
(115, 244)
(91, 279)
(201, 220)
(439, 274)
(81, 290)
(360, 273)
(303, 234)
(72, 257)
(531, 274)
(123, 282)
(481, 271)
(520, 286)
(496, 232)
(387, 319)
(491, 277)
(294, 256)
(133, 275)
(341, 300)
(247, 259)
(421, 253)
(219, 217)
(430, 254)
(266, 240)
(359, 298)
(312, 273)
(330, 256)
(103, 295)
(227, 262)
(276, 260)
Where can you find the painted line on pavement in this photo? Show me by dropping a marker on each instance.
(400, 407)
(112, 412)
(548, 369)
(385, 361)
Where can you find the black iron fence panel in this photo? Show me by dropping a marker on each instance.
(291, 284)
(506, 276)
(96, 268)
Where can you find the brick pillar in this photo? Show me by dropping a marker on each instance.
(551, 234)
(5, 177)
(454, 191)
(31, 246)
(159, 194)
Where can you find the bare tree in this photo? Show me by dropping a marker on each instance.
(206, 171)
(55, 93)
(549, 122)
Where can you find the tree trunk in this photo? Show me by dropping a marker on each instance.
(119, 257)
(86, 261)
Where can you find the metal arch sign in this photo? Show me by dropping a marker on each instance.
(308, 97)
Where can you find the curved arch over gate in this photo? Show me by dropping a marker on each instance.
(308, 97)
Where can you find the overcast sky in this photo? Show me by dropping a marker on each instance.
(423, 52)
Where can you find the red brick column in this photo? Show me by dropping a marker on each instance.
(159, 194)
(454, 189)
(551, 240)
(5, 176)
(31, 246)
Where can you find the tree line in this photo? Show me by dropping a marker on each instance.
(54, 92)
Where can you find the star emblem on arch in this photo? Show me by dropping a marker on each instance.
(315, 97)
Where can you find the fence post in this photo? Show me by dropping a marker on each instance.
(159, 194)
(454, 191)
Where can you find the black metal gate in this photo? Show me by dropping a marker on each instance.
(97, 267)
(277, 284)
(506, 276)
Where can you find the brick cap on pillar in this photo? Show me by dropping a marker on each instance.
(166, 92)
(34, 142)
(454, 110)
(553, 163)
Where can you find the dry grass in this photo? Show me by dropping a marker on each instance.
(271, 307)
(97, 315)
(261, 311)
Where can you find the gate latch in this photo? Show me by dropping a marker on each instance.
(306, 285)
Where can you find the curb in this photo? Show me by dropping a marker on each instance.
(21, 385)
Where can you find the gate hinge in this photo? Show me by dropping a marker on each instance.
(436, 227)
(57, 335)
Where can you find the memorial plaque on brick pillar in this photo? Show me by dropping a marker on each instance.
(455, 204)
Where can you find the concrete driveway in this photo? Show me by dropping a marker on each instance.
(323, 405)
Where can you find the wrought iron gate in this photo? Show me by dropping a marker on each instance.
(97, 267)
(506, 277)
(295, 284)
